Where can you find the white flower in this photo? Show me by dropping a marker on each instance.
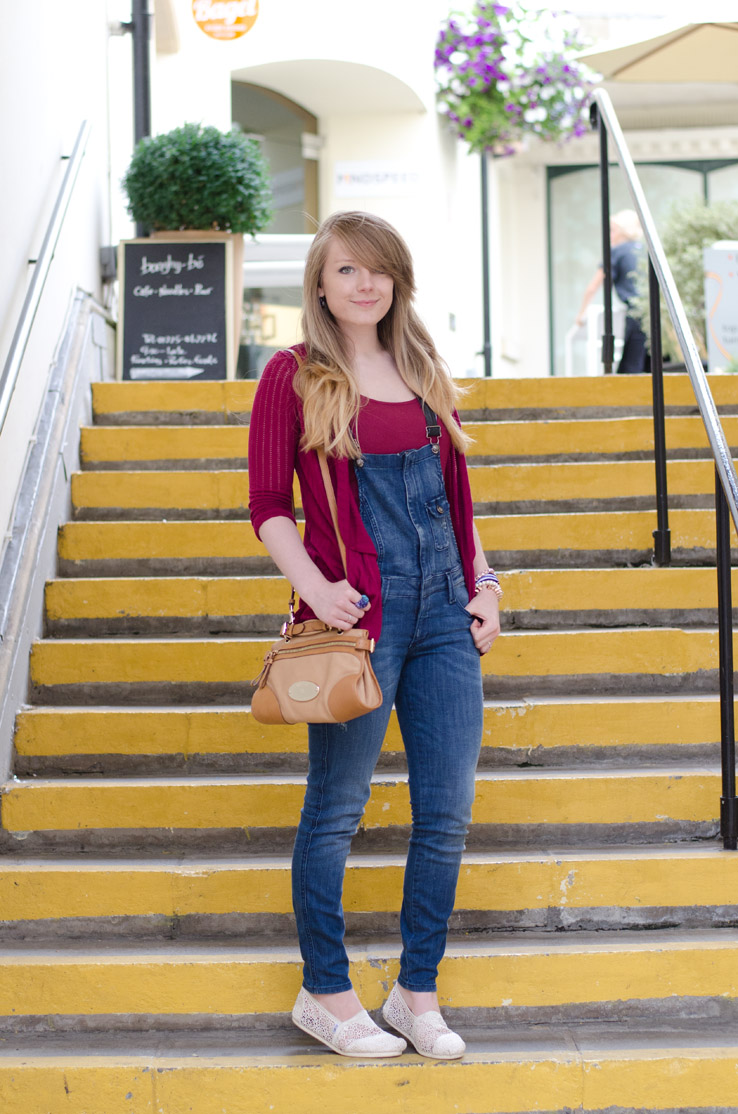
(535, 115)
(457, 58)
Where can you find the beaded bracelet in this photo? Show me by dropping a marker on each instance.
(488, 581)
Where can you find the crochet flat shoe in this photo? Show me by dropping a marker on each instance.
(358, 1036)
(428, 1032)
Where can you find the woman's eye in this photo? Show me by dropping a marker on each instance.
(345, 270)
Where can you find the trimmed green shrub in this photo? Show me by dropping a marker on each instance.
(690, 227)
(199, 177)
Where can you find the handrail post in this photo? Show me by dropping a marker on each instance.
(608, 337)
(486, 313)
(728, 802)
(661, 535)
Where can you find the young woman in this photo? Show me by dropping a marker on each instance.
(369, 386)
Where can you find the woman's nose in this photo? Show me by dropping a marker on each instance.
(365, 279)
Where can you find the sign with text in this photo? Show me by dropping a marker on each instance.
(375, 178)
(176, 309)
(225, 19)
(721, 304)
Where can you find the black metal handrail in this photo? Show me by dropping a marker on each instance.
(661, 281)
(9, 374)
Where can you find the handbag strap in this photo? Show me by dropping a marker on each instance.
(330, 496)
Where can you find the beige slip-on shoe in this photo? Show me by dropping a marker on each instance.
(358, 1036)
(428, 1032)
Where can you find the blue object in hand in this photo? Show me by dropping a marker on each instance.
(363, 601)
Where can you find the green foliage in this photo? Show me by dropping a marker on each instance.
(690, 227)
(199, 177)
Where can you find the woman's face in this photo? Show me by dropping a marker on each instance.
(357, 296)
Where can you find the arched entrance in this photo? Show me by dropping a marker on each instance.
(288, 136)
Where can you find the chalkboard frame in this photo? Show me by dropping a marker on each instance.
(189, 239)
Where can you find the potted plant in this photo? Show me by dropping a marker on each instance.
(506, 72)
(198, 183)
(691, 226)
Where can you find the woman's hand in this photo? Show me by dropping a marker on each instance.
(332, 603)
(485, 607)
(335, 604)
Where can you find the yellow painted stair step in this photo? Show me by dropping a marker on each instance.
(223, 398)
(105, 444)
(627, 651)
(507, 1078)
(585, 392)
(626, 530)
(525, 590)
(594, 435)
(495, 975)
(191, 490)
(227, 398)
(501, 483)
(661, 878)
(518, 725)
(512, 797)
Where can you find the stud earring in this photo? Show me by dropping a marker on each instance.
(322, 301)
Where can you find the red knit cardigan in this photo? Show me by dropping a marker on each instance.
(275, 455)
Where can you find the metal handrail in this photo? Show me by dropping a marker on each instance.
(19, 343)
(661, 281)
(692, 360)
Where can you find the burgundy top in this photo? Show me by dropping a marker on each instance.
(274, 457)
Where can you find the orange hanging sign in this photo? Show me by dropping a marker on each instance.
(225, 19)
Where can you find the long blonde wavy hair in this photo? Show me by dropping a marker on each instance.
(326, 381)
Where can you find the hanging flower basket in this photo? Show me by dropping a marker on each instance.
(506, 72)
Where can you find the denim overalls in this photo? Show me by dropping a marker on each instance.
(428, 666)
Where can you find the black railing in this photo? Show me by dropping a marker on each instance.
(661, 283)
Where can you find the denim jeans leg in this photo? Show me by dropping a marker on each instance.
(342, 758)
(440, 708)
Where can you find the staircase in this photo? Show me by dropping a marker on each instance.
(147, 959)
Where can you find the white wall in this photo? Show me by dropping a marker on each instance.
(372, 89)
(52, 75)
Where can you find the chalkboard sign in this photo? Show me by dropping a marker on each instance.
(176, 317)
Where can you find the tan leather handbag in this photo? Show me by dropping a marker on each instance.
(316, 673)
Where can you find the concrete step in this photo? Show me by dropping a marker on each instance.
(250, 898)
(620, 1068)
(258, 814)
(653, 661)
(224, 402)
(589, 486)
(164, 447)
(533, 732)
(621, 438)
(153, 495)
(496, 489)
(540, 599)
(200, 446)
(507, 981)
(574, 1069)
(227, 402)
(510, 541)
